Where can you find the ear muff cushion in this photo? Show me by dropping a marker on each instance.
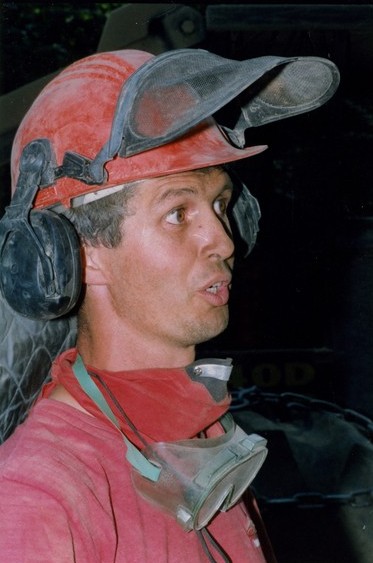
(40, 270)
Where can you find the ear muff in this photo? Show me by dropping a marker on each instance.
(40, 272)
(40, 261)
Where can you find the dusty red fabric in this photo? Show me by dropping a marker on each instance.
(163, 404)
(66, 487)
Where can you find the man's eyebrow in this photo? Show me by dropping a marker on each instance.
(173, 193)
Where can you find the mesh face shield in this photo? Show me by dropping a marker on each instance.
(173, 92)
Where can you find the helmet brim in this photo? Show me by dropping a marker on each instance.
(206, 145)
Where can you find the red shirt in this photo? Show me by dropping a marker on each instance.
(66, 495)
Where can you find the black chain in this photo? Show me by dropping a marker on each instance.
(253, 397)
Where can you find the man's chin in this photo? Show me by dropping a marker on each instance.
(211, 330)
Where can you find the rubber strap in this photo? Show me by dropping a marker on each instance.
(205, 537)
(133, 455)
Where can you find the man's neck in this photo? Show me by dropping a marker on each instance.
(127, 353)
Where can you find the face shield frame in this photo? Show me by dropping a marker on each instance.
(192, 85)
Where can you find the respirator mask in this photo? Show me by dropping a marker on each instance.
(189, 479)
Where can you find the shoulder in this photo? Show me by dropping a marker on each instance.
(57, 473)
(57, 444)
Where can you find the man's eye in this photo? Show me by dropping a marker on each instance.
(176, 216)
(220, 207)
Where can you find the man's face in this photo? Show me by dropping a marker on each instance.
(169, 278)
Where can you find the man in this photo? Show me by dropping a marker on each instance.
(123, 146)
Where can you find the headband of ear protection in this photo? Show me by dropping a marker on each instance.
(40, 263)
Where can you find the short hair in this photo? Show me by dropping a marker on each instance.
(99, 222)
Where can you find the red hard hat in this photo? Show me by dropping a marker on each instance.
(121, 116)
(75, 111)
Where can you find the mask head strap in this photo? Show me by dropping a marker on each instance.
(133, 455)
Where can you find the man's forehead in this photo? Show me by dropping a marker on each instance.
(189, 182)
(156, 184)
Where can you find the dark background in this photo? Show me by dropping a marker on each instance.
(301, 311)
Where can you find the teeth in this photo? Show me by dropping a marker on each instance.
(214, 288)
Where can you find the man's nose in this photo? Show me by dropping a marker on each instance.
(215, 237)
